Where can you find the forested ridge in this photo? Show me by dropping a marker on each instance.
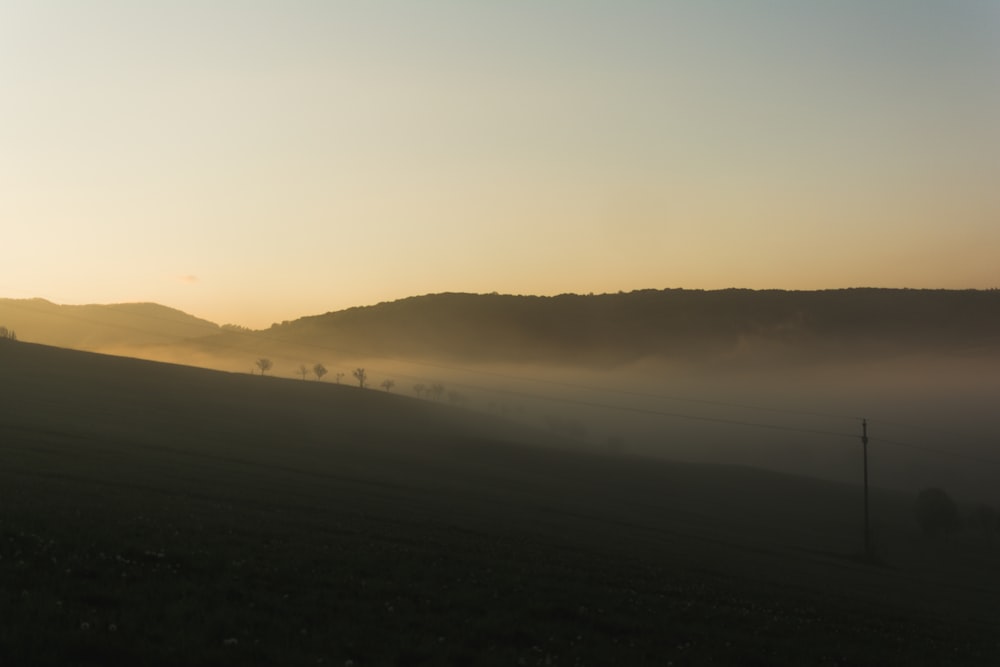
(627, 326)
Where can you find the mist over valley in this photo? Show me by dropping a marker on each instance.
(771, 379)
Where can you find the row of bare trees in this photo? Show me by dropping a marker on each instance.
(361, 375)
(319, 370)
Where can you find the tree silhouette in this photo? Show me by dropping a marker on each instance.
(388, 384)
(319, 370)
(338, 377)
(419, 389)
(936, 513)
(437, 390)
(360, 375)
(303, 370)
(7, 334)
(264, 364)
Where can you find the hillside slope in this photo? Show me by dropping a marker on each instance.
(100, 326)
(165, 515)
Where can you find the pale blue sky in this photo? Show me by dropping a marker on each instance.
(257, 161)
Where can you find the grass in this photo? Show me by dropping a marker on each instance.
(161, 515)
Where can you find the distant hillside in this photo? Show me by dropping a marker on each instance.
(98, 327)
(734, 325)
(615, 328)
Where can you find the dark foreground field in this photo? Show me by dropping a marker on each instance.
(154, 514)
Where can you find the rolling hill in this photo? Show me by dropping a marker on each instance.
(161, 514)
(768, 327)
(100, 327)
(737, 326)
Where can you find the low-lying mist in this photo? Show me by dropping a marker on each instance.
(932, 420)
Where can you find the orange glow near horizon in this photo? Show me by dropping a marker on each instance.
(292, 161)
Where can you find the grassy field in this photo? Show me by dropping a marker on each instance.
(163, 515)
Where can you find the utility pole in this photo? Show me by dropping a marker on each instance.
(864, 447)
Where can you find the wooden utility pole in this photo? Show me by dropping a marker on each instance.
(864, 447)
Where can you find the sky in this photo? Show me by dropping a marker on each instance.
(252, 161)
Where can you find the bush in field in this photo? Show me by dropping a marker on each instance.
(936, 513)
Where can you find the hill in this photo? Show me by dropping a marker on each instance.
(100, 327)
(159, 514)
(735, 326)
(770, 326)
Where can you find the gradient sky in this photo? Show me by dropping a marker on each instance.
(252, 161)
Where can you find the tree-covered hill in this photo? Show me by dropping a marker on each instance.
(611, 328)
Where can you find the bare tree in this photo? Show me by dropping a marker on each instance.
(264, 364)
(437, 390)
(388, 384)
(360, 375)
(303, 370)
(319, 370)
(7, 334)
(338, 377)
(419, 389)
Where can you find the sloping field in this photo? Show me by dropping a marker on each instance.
(163, 515)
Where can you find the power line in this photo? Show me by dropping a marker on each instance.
(545, 381)
(678, 415)
(940, 431)
(941, 452)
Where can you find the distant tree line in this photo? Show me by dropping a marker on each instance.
(630, 326)
(319, 370)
